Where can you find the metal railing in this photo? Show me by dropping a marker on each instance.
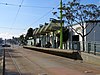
(92, 47)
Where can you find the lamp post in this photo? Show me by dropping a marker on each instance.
(61, 34)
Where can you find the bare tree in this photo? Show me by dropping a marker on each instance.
(74, 12)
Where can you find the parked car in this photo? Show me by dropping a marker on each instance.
(6, 45)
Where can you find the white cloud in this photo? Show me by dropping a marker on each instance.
(6, 35)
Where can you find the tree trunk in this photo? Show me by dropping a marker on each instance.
(83, 40)
(83, 43)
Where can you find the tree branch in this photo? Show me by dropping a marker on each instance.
(91, 29)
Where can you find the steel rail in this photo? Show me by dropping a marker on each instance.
(32, 62)
(36, 64)
(14, 62)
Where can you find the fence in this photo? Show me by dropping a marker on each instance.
(90, 46)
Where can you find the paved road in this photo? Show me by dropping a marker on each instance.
(20, 61)
(1, 51)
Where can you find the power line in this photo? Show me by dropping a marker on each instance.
(9, 4)
(17, 13)
(29, 6)
(23, 5)
(36, 6)
(42, 17)
(45, 15)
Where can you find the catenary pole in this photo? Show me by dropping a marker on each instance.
(61, 30)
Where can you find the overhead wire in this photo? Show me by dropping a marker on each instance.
(28, 6)
(17, 13)
(15, 16)
(13, 23)
(45, 14)
(41, 17)
(8, 4)
(24, 5)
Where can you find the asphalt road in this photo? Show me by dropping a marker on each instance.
(1, 51)
(20, 61)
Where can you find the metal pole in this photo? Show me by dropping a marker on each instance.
(95, 49)
(3, 62)
(61, 34)
(53, 40)
(94, 35)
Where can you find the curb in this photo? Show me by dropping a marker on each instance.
(59, 52)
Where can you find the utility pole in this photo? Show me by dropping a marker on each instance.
(4, 60)
(61, 23)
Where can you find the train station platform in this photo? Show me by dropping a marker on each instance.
(72, 54)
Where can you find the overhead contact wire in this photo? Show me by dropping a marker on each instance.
(45, 14)
(17, 13)
(24, 5)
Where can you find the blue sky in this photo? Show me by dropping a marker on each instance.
(30, 14)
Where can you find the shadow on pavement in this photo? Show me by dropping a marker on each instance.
(8, 72)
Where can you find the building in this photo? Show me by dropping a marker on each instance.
(73, 40)
(91, 34)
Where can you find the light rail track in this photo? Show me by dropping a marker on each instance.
(28, 62)
(42, 70)
(84, 66)
(14, 62)
(38, 70)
